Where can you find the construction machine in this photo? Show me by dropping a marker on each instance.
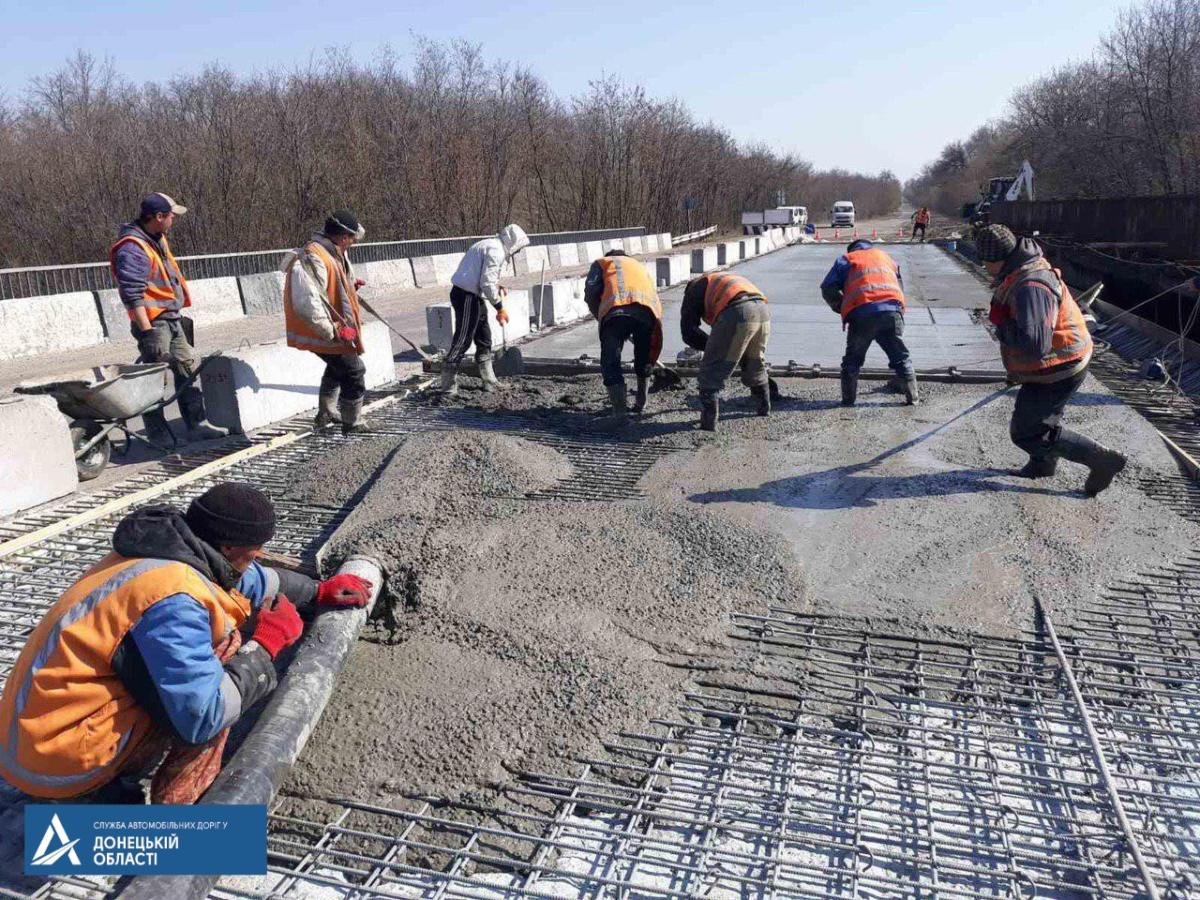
(999, 190)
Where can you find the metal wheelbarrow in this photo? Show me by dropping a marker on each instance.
(101, 406)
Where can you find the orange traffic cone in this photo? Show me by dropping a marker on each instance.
(836, 235)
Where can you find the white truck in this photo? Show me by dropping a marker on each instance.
(841, 214)
(779, 217)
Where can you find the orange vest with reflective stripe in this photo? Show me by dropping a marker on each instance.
(873, 276)
(1071, 341)
(627, 281)
(166, 288)
(721, 289)
(343, 307)
(67, 721)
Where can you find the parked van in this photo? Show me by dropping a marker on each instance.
(842, 214)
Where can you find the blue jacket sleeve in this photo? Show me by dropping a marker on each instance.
(258, 583)
(132, 270)
(174, 638)
(835, 282)
(1032, 331)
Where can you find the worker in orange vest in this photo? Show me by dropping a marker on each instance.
(624, 300)
(320, 307)
(865, 287)
(920, 220)
(739, 326)
(155, 652)
(1046, 348)
(155, 293)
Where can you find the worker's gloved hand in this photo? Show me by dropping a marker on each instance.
(150, 349)
(344, 590)
(502, 316)
(278, 627)
(999, 314)
(359, 283)
(348, 333)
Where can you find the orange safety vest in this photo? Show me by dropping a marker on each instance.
(922, 216)
(67, 721)
(343, 306)
(873, 277)
(626, 281)
(722, 289)
(166, 288)
(1071, 341)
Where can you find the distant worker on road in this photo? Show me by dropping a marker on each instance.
(920, 220)
(865, 287)
(1045, 345)
(624, 299)
(155, 652)
(477, 281)
(320, 306)
(155, 293)
(739, 327)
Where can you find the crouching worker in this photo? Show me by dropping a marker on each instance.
(740, 324)
(155, 652)
(320, 306)
(477, 281)
(623, 299)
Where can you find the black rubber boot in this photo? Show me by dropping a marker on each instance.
(710, 411)
(352, 421)
(616, 396)
(763, 401)
(327, 411)
(639, 400)
(1103, 463)
(912, 394)
(1038, 467)
(849, 388)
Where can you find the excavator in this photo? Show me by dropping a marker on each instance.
(997, 190)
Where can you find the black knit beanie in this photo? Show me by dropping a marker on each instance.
(342, 221)
(994, 243)
(232, 515)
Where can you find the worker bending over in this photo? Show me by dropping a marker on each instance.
(864, 285)
(476, 281)
(920, 220)
(320, 306)
(1046, 347)
(624, 300)
(155, 293)
(739, 325)
(156, 651)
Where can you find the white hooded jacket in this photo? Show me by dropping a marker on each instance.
(481, 266)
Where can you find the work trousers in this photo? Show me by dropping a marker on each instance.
(470, 324)
(1037, 415)
(625, 323)
(884, 328)
(918, 227)
(738, 337)
(168, 341)
(345, 375)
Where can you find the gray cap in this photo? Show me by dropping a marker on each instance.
(994, 242)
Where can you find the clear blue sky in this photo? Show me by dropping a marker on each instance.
(866, 85)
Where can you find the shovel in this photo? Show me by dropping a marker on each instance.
(369, 308)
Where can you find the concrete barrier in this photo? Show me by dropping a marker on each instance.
(672, 269)
(215, 300)
(424, 271)
(246, 388)
(664, 241)
(729, 252)
(746, 248)
(650, 243)
(113, 317)
(634, 245)
(387, 276)
(439, 321)
(444, 265)
(589, 252)
(704, 259)
(612, 244)
(530, 260)
(41, 465)
(33, 325)
(262, 294)
(558, 303)
(563, 255)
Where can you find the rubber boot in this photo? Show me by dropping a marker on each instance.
(448, 384)
(204, 430)
(762, 399)
(849, 388)
(158, 432)
(1103, 463)
(327, 411)
(352, 421)
(488, 375)
(710, 411)
(639, 400)
(616, 396)
(912, 394)
(1038, 467)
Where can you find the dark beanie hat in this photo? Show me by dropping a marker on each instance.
(232, 515)
(340, 222)
(995, 243)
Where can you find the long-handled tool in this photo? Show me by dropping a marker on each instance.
(369, 308)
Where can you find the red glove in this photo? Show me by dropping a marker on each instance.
(359, 283)
(344, 591)
(348, 333)
(502, 316)
(999, 314)
(278, 626)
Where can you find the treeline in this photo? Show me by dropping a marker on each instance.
(451, 145)
(1124, 123)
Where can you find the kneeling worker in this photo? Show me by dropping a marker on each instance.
(624, 300)
(320, 306)
(740, 324)
(144, 655)
(1046, 348)
(864, 286)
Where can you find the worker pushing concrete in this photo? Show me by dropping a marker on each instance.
(476, 281)
(739, 326)
(155, 652)
(920, 220)
(865, 287)
(155, 293)
(1046, 348)
(320, 307)
(624, 300)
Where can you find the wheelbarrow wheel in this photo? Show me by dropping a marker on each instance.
(93, 462)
